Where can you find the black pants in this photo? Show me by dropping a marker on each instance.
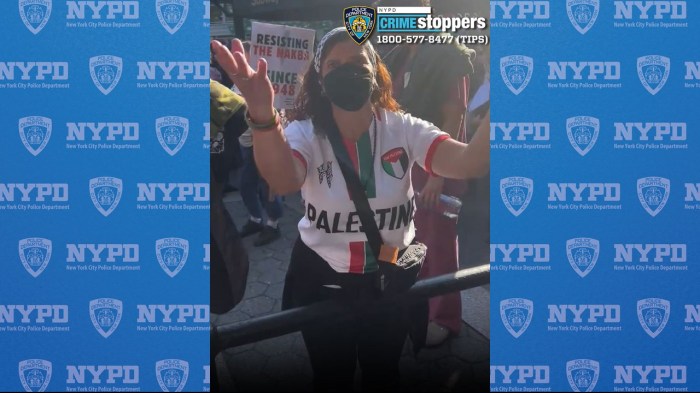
(335, 348)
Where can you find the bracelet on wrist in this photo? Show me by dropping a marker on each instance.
(274, 122)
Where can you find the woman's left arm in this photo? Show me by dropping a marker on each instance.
(457, 160)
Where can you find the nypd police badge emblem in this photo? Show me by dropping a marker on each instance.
(516, 72)
(653, 315)
(653, 72)
(583, 133)
(35, 254)
(35, 132)
(172, 14)
(172, 374)
(35, 374)
(172, 133)
(105, 314)
(582, 374)
(516, 193)
(35, 14)
(359, 22)
(106, 192)
(172, 254)
(106, 71)
(516, 315)
(582, 253)
(582, 13)
(653, 193)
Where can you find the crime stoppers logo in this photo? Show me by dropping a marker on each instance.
(172, 133)
(35, 132)
(582, 374)
(35, 14)
(359, 22)
(516, 315)
(172, 14)
(105, 314)
(582, 13)
(582, 253)
(653, 71)
(653, 193)
(172, 374)
(516, 193)
(583, 133)
(35, 374)
(106, 71)
(516, 72)
(172, 254)
(106, 192)
(653, 315)
(35, 254)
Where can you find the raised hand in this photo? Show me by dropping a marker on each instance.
(253, 85)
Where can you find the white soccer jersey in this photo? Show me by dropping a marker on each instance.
(331, 226)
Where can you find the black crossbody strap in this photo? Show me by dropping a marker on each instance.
(357, 192)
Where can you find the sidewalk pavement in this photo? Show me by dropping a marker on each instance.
(282, 364)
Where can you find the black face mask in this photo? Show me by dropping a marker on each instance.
(348, 86)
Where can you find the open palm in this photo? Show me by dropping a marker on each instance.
(253, 85)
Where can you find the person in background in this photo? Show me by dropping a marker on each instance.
(432, 82)
(255, 192)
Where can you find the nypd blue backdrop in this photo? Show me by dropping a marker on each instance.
(104, 195)
(595, 194)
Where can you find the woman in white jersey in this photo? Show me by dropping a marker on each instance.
(347, 84)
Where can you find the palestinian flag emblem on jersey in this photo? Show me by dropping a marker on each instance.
(395, 162)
